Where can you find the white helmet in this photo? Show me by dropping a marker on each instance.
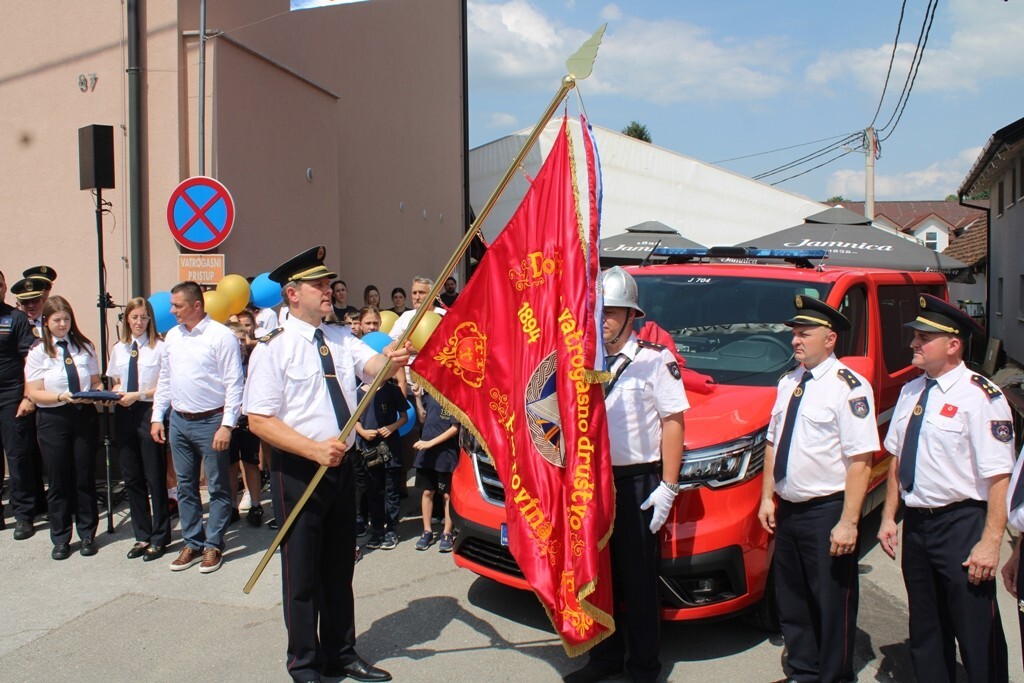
(620, 290)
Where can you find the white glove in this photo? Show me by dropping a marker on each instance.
(661, 498)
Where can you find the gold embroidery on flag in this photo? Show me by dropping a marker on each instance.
(465, 354)
(534, 269)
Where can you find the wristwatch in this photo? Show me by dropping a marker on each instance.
(674, 488)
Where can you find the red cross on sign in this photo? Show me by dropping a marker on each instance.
(200, 213)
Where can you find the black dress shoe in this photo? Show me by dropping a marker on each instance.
(61, 551)
(153, 552)
(88, 548)
(24, 529)
(357, 671)
(235, 516)
(138, 550)
(592, 673)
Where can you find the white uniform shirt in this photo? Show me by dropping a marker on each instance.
(38, 366)
(149, 363)
(962, 439)
(286, 377)
(644, 394)
(202, 370)
(835, 422)
(266, 321)
(1016, 517)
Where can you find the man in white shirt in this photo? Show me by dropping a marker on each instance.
(200, 386)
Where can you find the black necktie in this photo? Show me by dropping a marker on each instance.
(133, 369)
(341, 411)
(74, 386)
(908, 457)
(782, 449)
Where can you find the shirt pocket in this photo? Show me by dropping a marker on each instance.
(633, 391)
(943, 435)
(818, 423)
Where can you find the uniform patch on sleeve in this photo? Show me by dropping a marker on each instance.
(859, 406)
(848, 377)
(270, 335)
(991, 390)
(673, 369)
(1002, 430)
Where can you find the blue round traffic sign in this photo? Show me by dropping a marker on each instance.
(200, 213)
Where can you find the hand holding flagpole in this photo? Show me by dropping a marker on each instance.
(579, 66)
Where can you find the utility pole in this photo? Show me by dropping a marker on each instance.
(870, 143)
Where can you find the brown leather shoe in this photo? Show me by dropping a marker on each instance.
(186, 558)
(212, 560)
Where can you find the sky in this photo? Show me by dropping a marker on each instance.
(719, 80)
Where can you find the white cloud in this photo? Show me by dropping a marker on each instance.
(935, 181)
(611, 13)
(514, 45)
(985, 44)
(501, 119)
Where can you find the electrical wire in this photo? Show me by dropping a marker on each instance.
(780, 149)
(810, 157)
(824, 163)
(927, 31)
(892, 57)
(915, 63)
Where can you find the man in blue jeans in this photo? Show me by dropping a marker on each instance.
(200, 384)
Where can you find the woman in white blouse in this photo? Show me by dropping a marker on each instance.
(134, 367)
(63, 364)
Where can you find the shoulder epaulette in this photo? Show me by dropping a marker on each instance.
(270, 335)
(990, 389)
(644, 344)
(848, 377)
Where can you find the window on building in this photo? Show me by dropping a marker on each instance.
(897, 305)
(931, 240)
(1000, 200)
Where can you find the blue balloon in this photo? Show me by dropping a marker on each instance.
(163, 318)
(265, 293)
(377, 341)
(410, 418)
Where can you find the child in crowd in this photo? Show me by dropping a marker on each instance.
(245, 447)
(437, 454)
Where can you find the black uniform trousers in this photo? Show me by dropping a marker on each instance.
(317, 563)
(1020, 603)
(144, 467)
(943, 604)
(18, 442)
(68, 439)
(634, 553)
(817, 594)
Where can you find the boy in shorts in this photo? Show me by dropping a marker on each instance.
(437, 453)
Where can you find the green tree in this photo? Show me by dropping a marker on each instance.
(637, 130)
(951, 197)
(838, 199)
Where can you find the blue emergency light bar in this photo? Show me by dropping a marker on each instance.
(800, 257)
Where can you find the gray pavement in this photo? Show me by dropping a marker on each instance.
(106, 618)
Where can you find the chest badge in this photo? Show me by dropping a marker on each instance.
(324, 350)
(135, 353)
(68, 361)
(948, 410)
(798, 392)
(918, 410)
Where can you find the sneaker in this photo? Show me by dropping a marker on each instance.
(426, 540)
(446, 544)
(186, 558)
(361, 527)
(390, 541)
(246, 503)
(375, 542)
(212, 560)
(272, 524)
(255, 515)
(235, 516)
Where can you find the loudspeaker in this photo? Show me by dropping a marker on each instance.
(96, 157)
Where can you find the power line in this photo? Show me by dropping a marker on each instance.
(780, 149)
(892, 57)
(809, 157)
(915, 62)
(824, 163)
(930, 18)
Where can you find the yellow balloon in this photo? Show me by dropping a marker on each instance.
(423, 331)
(387, 321)
(217, 305)
(235, 289)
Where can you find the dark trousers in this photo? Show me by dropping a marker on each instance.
(944, 606)
(68, 439)
(18, 442)
(144, 467)
(317, 562)
(1020, 602)
(383, 490)
(817, 593)
(634, 554)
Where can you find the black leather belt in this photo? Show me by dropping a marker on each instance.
(969, 503)
(192, 417)
(821, 500)
(621, 471)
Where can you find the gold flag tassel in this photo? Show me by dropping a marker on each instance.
(579, 66)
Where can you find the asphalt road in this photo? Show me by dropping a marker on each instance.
(106, 618)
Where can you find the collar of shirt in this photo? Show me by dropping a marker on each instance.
(141, 341)
(822, 368)
(948, 379)
(304, 329)
(198, 329)
(630, 349)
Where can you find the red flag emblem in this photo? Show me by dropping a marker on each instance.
(948, 410)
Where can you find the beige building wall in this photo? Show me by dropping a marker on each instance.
(369, 97)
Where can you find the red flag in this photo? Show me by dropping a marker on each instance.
(513, 358)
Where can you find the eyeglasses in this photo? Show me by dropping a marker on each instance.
(138, 318)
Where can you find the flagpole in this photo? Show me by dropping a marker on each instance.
(580, 66)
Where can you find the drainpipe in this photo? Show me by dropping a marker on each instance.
(134, 153)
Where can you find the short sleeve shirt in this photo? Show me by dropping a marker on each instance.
(444, 456)
(39, 365)
(647, 390)
(835, 421)
(149, 360)
(966, 438)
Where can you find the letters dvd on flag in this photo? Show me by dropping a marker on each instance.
(514, 359)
